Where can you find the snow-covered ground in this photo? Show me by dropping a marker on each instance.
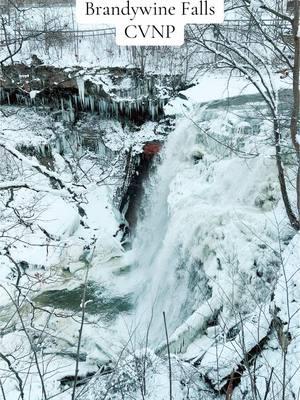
(54, 36)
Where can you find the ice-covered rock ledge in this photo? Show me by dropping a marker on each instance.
(123, 93)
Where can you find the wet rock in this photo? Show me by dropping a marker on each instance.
(152, 148)
(80, 380)
(138, 173)
(122, 93)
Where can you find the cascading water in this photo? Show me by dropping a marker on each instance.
(167, 272)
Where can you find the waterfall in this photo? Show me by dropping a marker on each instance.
(165, 268)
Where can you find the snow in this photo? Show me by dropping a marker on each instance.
(73, 44)
(54, 261)
(255, 5)
(287, 295)
(222, 201)
(229, 204)
(127, 380)
(211, 87)
(214, 250)
(33, 94)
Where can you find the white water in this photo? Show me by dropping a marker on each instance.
(164, 268)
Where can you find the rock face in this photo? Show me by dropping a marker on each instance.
(125, 94)
(152, 148)
(141, 166)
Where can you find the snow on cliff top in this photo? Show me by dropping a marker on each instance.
(216, 87)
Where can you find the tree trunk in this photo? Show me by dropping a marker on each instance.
(291, 216)
(296, 98)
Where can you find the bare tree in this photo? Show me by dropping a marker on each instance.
(256, 48)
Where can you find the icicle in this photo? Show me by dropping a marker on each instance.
(115, 106)
(86, 103)
(152, 109)
(81, 89)
(129, 108)
(92, 103)
(71, 108)
(75, 98)
(100, 107)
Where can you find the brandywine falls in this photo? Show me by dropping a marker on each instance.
(149, 200)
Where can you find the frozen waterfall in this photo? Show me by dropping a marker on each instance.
(167, 273)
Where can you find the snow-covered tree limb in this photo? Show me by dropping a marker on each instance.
(52, 176)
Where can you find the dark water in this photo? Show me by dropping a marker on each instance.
(102, 302)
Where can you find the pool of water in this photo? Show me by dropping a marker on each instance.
(101, 301)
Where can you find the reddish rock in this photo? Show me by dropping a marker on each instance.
(152, 148)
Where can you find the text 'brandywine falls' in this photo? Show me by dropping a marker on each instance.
(149, 23)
